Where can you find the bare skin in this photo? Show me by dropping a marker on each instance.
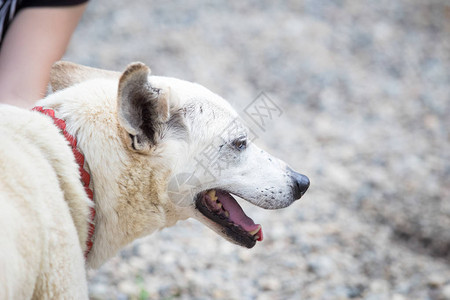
(36, 38)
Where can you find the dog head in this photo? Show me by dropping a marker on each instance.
(204, 146)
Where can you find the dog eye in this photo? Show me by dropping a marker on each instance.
(240, 144)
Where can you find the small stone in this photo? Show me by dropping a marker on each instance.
(98, 291)
(398, 297)
(321, 265)
(218, 294)
(245, 255)
(128, 288)
(445, 292)
(435, 281)
(355, 291)
(264, 297)
(269, 283)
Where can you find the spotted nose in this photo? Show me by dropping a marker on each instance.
(300, 183)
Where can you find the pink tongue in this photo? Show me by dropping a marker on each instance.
(237, 215)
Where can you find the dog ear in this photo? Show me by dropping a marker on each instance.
(64, 74)
(142, 109)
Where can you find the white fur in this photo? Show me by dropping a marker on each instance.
(42, 200)
(39, 241)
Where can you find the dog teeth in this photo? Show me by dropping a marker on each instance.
(253, 232)
(227, 214)
(212, 195)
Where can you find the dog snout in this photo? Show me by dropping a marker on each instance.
(300, 183)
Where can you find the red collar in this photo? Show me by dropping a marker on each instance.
(85, 177)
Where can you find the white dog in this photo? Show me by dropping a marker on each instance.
(138, 142)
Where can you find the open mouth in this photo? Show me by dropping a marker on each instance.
(220, 207)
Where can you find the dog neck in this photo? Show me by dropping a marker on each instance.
(131, 200)
(84, 175)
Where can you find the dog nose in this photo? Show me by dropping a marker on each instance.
(301, 183)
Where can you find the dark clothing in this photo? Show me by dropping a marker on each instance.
(9, 8)
(40, 3)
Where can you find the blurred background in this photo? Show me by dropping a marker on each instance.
(364, 91)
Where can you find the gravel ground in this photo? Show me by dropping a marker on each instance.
(364, 90)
